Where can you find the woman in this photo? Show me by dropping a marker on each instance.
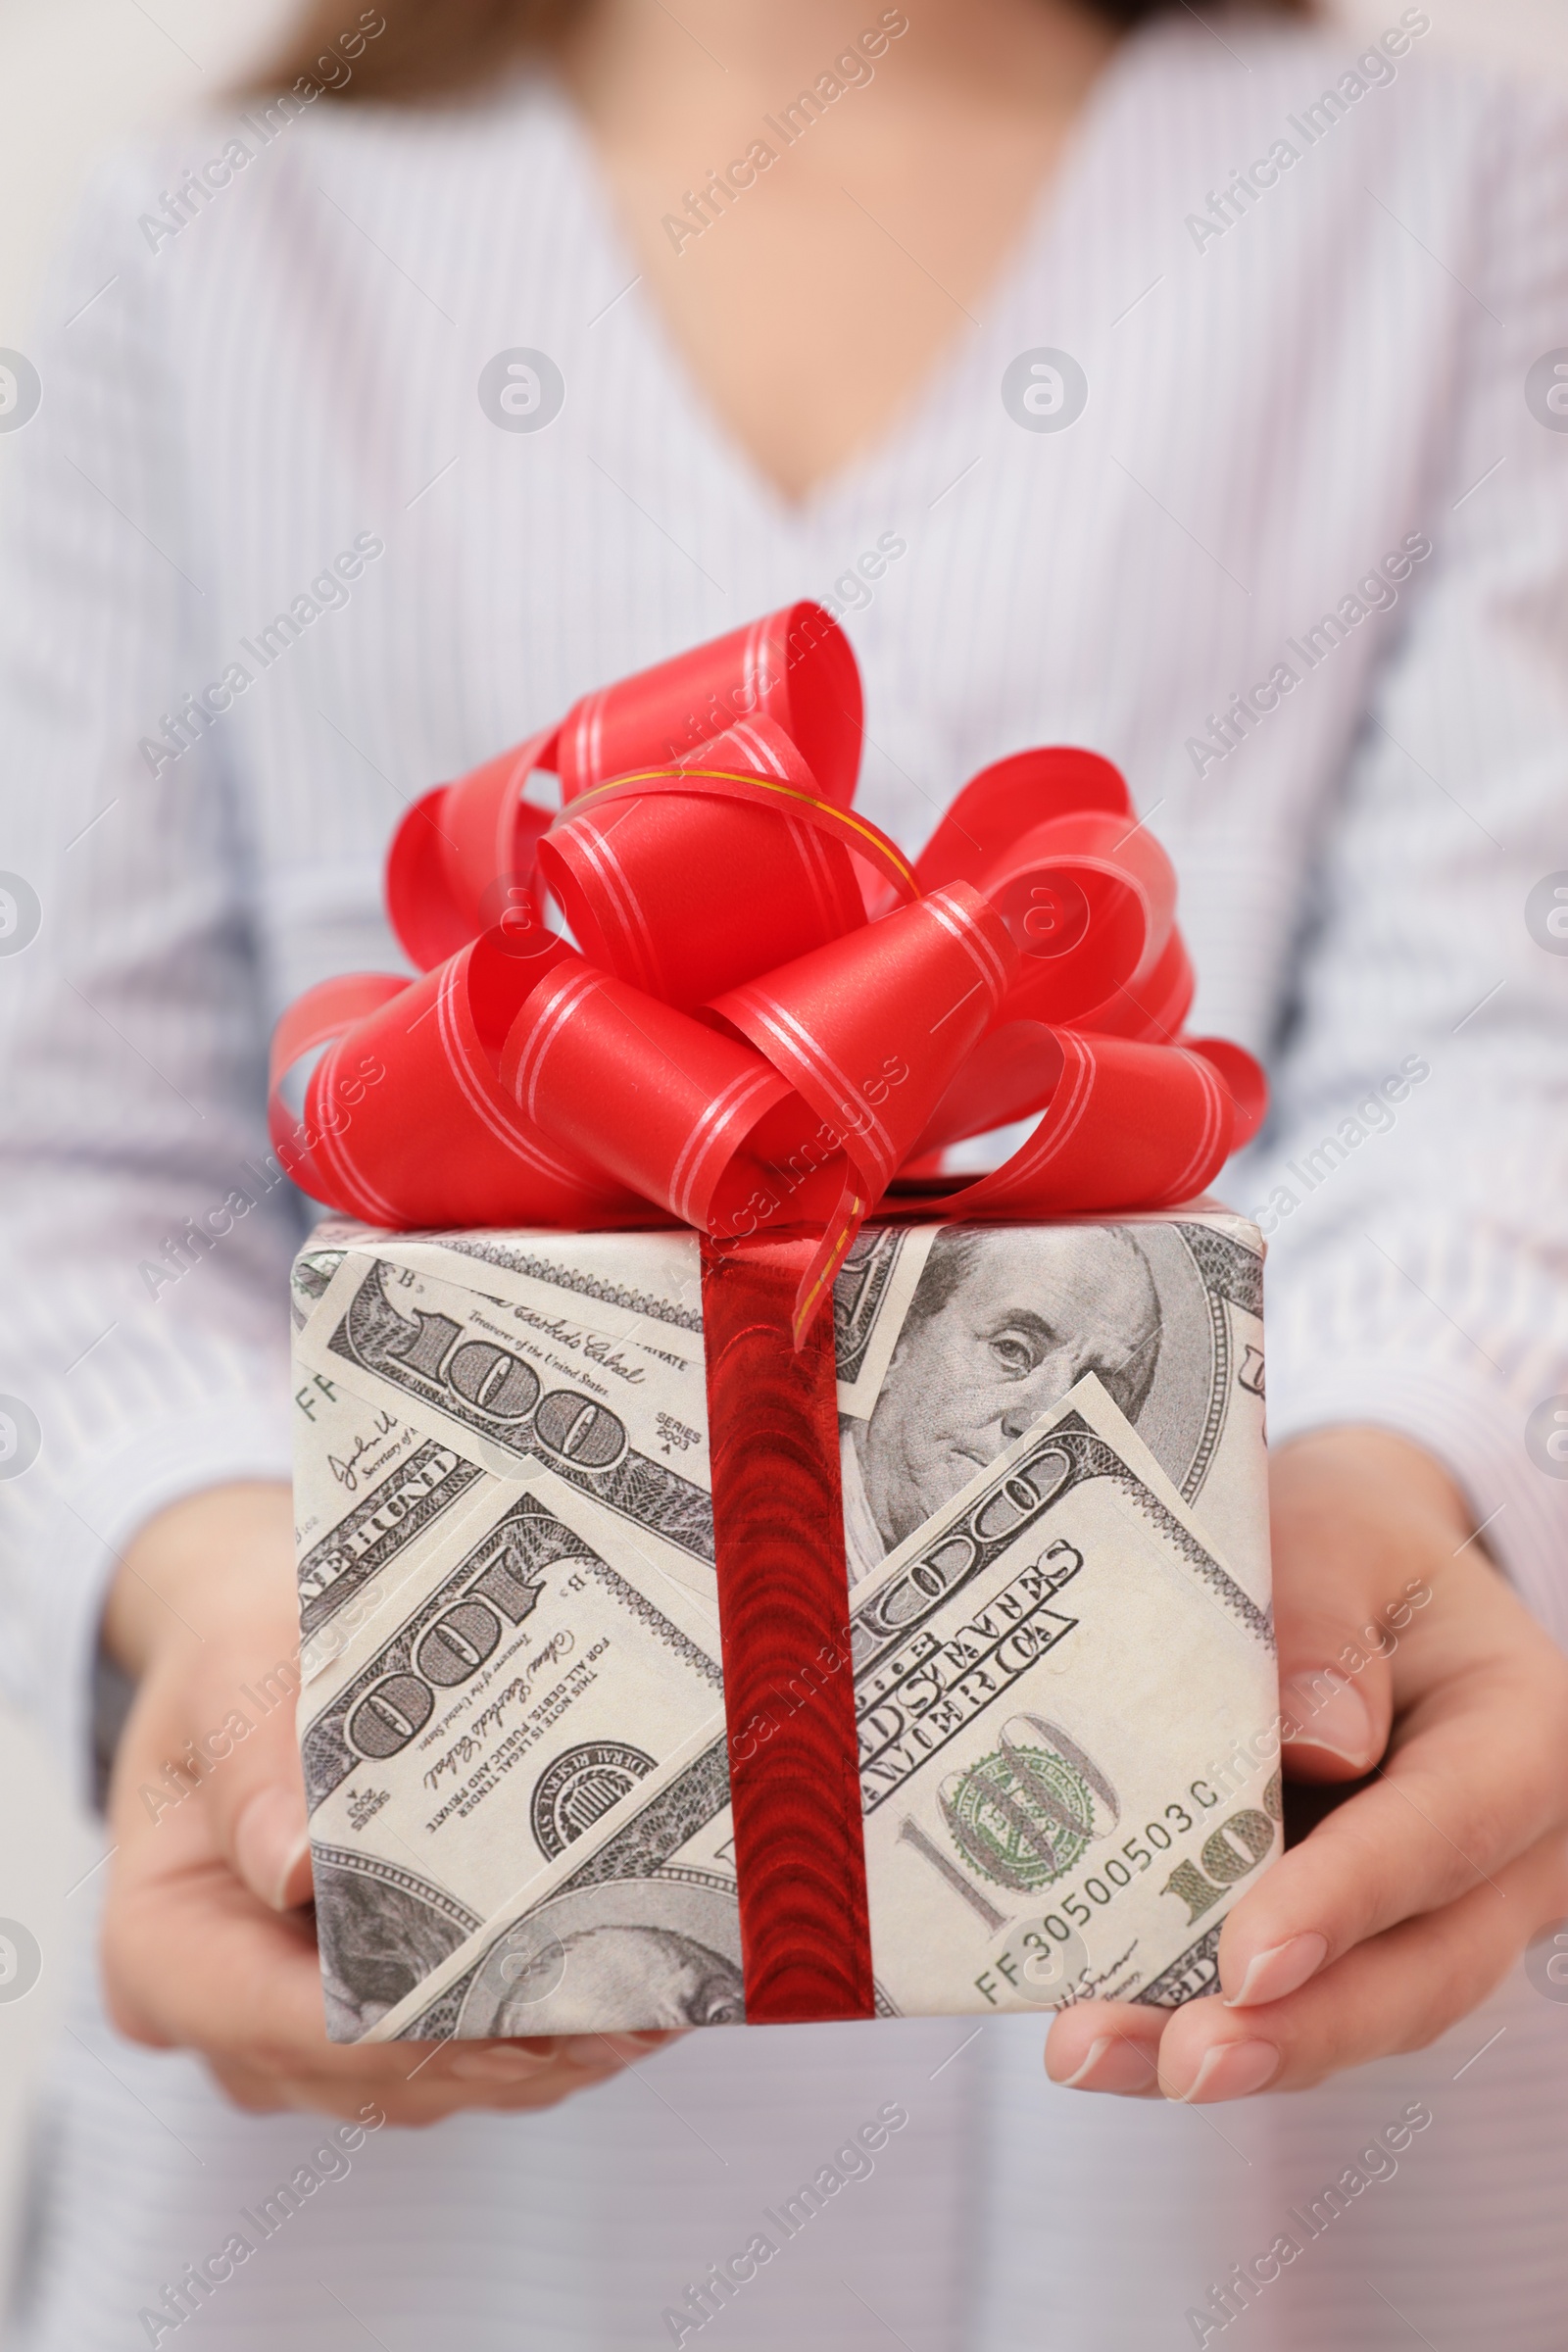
(1126, 379)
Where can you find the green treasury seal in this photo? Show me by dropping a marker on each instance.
(1021, 1816)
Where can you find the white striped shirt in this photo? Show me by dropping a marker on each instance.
(1277, 406)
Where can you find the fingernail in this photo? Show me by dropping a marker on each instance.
(1232, 2070)
(1113, 2064)
(269, 1843)
(300, 1846)
(1324, 1710)
(1284, 1968)
(502, 2064)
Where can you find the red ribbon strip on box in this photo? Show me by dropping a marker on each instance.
(769, 1021)
(789, 1686)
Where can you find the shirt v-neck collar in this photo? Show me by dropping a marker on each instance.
(1034, 257)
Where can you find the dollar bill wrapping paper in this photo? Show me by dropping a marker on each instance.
(511, 1716)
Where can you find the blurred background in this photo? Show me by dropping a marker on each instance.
(77, 77)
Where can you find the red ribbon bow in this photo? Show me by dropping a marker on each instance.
(769, 1018)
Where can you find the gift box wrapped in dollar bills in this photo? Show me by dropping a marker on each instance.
(745, 1571)
(1053, 1679)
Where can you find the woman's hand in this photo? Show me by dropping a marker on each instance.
(1412, 1897)
(204, 1945)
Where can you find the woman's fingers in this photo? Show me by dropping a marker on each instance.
(209, 1618)
(1442, 1818)
(1383, 1602)
(239, 1773)
(419, 2083)
(214, 1969)
(419, 2104)
(1397, 1991)
(1410, 1900)
(1107, 2046)
(192, 1958)
(1478, 1775)
(1350, 1511)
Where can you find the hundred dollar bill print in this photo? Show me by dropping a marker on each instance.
(644, 1923)
(1010, 1662)
(512, 1707)
(606, 1392)
(870, 1300)
(368, 1489)
(519, 1694)
(952, 1340)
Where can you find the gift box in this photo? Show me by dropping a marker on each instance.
(1050, 1695)
(746, 1570)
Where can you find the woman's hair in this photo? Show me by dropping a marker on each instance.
(411, 50)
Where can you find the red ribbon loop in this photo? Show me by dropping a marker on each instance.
(872, 1029)
(466, 848)
(772, 1020)
(688, 878)
(793, 668)
(663, 1102)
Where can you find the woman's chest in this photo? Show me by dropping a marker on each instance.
(452, 509)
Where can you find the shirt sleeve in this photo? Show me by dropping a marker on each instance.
(1413, 1178)
(146, 1231)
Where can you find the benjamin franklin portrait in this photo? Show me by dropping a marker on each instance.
(1001, 1326)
